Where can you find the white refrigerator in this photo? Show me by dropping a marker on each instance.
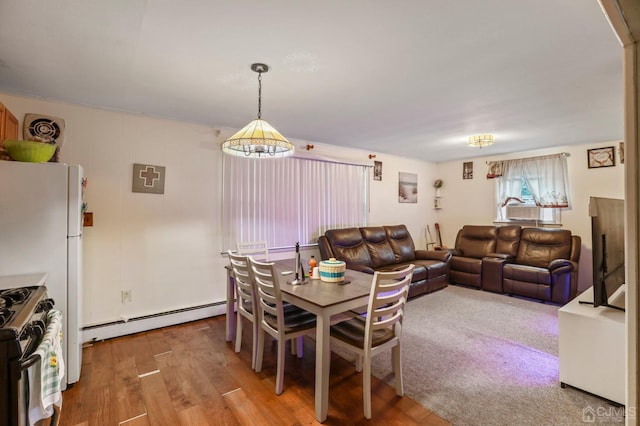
(41, 231)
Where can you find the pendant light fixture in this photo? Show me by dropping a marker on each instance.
(480, 141)
(258, 139)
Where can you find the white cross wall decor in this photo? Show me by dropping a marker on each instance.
(148, 179)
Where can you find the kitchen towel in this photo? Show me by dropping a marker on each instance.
(45, 376)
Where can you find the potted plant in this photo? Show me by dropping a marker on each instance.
(437, 184)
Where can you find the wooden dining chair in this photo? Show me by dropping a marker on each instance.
(281, 321)
(380, 330)
(246, 299)
(257, 249)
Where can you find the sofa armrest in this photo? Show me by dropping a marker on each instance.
(441, 255)
(326, 252)
(560, 266)
(453, 251)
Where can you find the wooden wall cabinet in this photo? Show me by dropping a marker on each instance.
(8, 129)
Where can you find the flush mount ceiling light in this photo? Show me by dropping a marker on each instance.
(480, 141)
(258, 139)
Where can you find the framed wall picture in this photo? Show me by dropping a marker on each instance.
(148, 179)
(467, 170)
(377, 170)
(601, 157)
(407, 187)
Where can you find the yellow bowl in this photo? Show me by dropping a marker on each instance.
(29, 151)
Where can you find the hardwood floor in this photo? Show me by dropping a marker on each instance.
(188, 375)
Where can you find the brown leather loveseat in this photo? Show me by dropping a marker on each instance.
(387, 248)
(545, 267)
(531, 262)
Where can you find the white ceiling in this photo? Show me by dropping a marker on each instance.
(409, 77)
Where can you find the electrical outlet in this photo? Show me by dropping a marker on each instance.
(126, 296)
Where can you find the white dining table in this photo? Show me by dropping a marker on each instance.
(327, 301)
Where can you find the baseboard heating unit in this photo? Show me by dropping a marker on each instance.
(127, 326)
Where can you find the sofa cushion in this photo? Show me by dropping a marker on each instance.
(538, 247)
(419, 272)
(476, 241)
(380, 250)
(527, 274)
(469, 265)
(435, 268)
(508, 239)
(401, 243)
(349, 246)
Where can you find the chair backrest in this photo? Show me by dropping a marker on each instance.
(348, 245)
(538, 247)
(508, 239)
(389, 292)
(245, 288)
(401, 242)
(380, 251)
(268, 292)
(256, 249)
(476, 241)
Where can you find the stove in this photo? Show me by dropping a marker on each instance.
(23, 313)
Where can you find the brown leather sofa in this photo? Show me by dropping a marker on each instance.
(387, 248)
(531, 262)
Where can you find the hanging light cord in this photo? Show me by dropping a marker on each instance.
(259, 95)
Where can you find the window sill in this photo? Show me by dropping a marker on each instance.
(528, 223)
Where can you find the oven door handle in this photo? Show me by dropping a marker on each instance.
(32, 360)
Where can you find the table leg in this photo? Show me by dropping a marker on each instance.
(230, 323)
(323, 365)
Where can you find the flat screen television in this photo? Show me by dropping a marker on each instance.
(607, 237)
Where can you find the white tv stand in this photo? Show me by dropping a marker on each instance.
(592, 346)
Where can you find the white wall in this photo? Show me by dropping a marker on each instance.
(385, 208)
(470, 201)
(166, 248)
(151, 244)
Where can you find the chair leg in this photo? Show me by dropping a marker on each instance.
(358, 363)
(294, 347)
(366, 386)
(238, 333)
(254, 348)
(280, 368)
(397, 369)
(260, 350)
(300, 343)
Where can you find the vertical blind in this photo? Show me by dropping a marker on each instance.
(289, 200)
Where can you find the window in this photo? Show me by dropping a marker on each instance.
(289, 200)
(524, 209)
(531, 189)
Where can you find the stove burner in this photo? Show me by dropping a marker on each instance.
(5, 316)
(14, 295)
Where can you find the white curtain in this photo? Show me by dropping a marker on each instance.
(510, 187)
(548, 180)
(546, 177)
(289, 200)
